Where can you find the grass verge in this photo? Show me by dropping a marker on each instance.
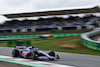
(62, 44)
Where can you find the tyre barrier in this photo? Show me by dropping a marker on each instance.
(88, 42)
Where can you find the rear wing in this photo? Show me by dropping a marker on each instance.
(21, 47)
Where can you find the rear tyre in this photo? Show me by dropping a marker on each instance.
(15, 53)
(32, 55)
(20, 56)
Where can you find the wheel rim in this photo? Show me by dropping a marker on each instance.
(32, 55)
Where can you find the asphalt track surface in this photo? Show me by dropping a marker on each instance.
(77, 60)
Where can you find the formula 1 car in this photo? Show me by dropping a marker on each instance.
(33, 53)
(45, 36)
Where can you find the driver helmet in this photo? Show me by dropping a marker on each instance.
(34, 50)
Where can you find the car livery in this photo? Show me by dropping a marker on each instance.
(45, 36)
(29, 53)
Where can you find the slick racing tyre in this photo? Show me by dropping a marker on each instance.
(57, 57)
(52, 53)
(32, 55)
(20, 56)
(15, 53)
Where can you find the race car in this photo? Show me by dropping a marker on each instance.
(45, 36)
(33, 53)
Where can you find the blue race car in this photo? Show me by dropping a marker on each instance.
(33, 53)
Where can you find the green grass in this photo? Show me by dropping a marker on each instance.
(3, 43)
(55, 44)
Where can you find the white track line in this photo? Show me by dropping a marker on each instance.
(33, 61)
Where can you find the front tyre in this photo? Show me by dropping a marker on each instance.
(51, 59)
(51, 53)
(57, 57)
